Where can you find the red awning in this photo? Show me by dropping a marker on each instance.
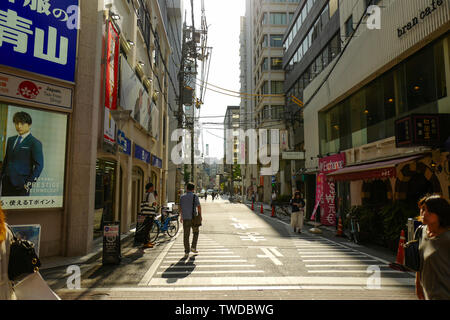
(377, 170)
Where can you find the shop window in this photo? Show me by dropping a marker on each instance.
(420, 79)
(276, 41)
(441, 84)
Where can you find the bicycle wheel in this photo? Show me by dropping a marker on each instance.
(172, 229)
(154, 232)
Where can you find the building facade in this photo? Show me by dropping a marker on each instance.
(379, 76)
(270, 20)
(99, 110)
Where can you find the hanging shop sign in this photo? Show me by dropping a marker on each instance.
(112, 67)
(109, 128)
(20, 89)
(422, 130)
(32, 157)
(293, 155)
(156, 162)
(141, 154)
(328, 188)
(434, 5)
(40, 36)
(124, 142)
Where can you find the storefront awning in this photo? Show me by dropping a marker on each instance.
(377, 170)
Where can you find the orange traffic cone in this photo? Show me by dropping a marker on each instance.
(273, 211)
(401, 249)
(340, 232)
(253, 206)
(262, 210)
(399, 264)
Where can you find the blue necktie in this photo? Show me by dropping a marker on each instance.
(18, 142)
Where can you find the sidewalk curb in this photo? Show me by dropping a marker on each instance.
(97, 251)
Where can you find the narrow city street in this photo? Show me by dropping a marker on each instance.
(242, 255)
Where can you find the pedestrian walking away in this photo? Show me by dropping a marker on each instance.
(148, 208)
(298, 212)
(6, 291)
(433, 278)
(189, 208)
(213, 196)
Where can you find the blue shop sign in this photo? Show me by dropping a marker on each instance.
(156, 162)
(141, 154)
(40, 36)
(124, 142)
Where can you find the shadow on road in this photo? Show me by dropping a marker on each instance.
(180, 270)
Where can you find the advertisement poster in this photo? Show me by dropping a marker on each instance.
(327, 202)
(319, 192)
(32, 157)
(112, 68)
(30, 232)
(40, 36)
(134, 97)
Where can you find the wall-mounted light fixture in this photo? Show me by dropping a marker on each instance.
(131, 43)
(141, 63)
(115, 16)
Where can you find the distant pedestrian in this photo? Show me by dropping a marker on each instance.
(189, 206)
(206, 196)
(433, 278)
(213, 196)
(298, 212)
(6, 292)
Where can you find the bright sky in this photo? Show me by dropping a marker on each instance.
(223, 19)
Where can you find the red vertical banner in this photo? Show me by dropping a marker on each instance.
(112, 67)
(327, 201)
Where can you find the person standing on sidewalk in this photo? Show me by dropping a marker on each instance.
(6, 291)
(433, 278)
(189, 204)
(148, 208)
(298, 211)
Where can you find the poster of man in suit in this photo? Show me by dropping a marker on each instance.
(32, 157)
(24, 160)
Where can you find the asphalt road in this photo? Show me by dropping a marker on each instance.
(242, 255)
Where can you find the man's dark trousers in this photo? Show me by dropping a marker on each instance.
(187, 225)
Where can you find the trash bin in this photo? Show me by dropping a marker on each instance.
(111, 243)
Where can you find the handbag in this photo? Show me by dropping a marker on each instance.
(34, 287)
(22, 258)
(412, 255)
(196, 218)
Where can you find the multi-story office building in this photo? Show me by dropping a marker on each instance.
(312, 42)
(94, 161)
(173, 20)
(231, 143)
(376, 77)
(262, 51)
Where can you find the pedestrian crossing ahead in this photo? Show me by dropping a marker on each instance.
(322, 256)
(212, 260)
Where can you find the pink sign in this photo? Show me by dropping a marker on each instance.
(327, 203)
(319, 192)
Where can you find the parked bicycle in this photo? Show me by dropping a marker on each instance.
(354, 228)
(167, 222)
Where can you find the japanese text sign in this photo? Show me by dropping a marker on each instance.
(141, 154)
(40, 36)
